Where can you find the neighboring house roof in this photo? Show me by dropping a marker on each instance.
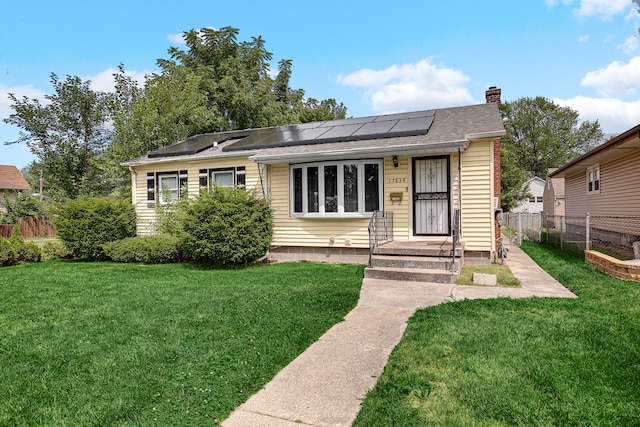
(422, 132)
(620, 145)
(556, 183)
(535, 179)
(12, 179)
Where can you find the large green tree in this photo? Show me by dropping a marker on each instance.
(540, 135)
(67, 133)
(216, 83)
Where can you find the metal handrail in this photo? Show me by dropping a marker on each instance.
(380, 230)
(455, 236)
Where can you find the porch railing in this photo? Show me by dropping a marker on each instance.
(455, 236)
(380, 230)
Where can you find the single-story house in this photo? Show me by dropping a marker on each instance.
(326, 179)
(605, 180)
(11, 183)
(533, 204)
(553, 197)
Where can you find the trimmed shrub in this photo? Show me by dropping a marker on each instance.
(15, 250)
(55, 249)
(147, 250)
(226, 227)
(8, 254)
(85, 224)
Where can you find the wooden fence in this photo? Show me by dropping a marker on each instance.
(30, 227)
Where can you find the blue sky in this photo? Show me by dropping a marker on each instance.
(376, 57)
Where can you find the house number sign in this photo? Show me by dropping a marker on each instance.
(396, 180)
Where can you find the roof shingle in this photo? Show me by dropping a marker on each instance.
(12, 179)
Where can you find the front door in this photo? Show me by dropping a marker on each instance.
(431, 196)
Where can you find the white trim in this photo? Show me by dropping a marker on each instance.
(597, 179)
(485, 135)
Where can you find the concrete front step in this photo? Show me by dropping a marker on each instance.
(429, 251)
(395, 261)
(410, 274)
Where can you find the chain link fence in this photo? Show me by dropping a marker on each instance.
(612, 235)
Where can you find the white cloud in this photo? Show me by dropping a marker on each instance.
(411, 86)
(583, 39)
(629, 46)
(19, 92)
(605, 9)
(105, 82)
(177, 39)
(551, 3)
(614, 115)
(615, 78)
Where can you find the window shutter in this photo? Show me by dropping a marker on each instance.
(151, 187)
(240, 177)
(182, 183)
(203, 179)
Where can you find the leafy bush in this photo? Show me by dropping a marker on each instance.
(226, 227)
(85, 224)
(15, 250)
(54, 249)
(148, 250)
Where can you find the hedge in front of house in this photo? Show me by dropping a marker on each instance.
(225, 227)
(160, 249)
(85, 224)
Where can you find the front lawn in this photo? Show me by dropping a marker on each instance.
(505, 362)
(127, 344)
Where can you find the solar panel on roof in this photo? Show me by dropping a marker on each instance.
(352, 121)
(195, 144)
(413, 125)
(403, 116)
(344, 131)
(308, 134)
(373, 127)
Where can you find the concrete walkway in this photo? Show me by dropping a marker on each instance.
(325, 385)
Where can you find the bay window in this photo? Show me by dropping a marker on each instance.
(336, 189)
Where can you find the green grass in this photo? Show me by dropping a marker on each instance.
(129, 345)
(503, 274)
(506, 362)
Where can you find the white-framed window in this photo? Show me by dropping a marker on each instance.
(350, 188)
(223, 177)
(165, 187)
(593, 180)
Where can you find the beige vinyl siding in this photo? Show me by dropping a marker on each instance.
(619, 189)
(477, 196)
(334, 232)
(398, 180)
(146, 213)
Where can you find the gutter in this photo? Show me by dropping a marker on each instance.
(353, 153)
(191, 158)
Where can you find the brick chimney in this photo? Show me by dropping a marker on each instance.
(493, 95)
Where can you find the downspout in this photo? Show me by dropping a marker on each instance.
(262, 172)
(460, 187)
(134, 177)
